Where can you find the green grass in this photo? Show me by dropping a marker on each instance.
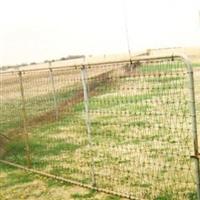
(112, 101)
(165, 79)
(56, 183)
(18, 177)
(112, 198)
(10, 115)
(16, 150)
(164, 197)
(35, 106)
(196, 65)
(89, 195)
(160, 67)
(192, 196)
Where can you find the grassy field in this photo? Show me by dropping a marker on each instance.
(139, 124)
(16, 184)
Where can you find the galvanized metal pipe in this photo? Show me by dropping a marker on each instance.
(122, 61)
(53, 91)
(194, 124)
(87, 118)
(69, 181)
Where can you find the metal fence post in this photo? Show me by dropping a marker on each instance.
(87, 118)
(194, 125)
(24, 116)
(53, 90)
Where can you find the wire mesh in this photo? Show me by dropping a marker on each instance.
(122, 127)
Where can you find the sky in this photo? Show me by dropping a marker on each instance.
(38, 30)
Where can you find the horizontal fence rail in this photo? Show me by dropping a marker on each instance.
(124, 128)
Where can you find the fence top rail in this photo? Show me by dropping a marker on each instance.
(125, 61)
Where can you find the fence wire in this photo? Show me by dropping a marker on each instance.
(123, 127)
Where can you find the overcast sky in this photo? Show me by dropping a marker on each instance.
(35, 30)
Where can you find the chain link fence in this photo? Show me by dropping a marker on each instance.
(124, 128)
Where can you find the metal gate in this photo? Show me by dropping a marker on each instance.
(126, 127)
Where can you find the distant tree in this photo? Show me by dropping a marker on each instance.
(63, 58)
(23, 64)
(70, 57)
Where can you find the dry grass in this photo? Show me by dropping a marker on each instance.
(16, 184)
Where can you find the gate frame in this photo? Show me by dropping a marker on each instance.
(196, 155)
